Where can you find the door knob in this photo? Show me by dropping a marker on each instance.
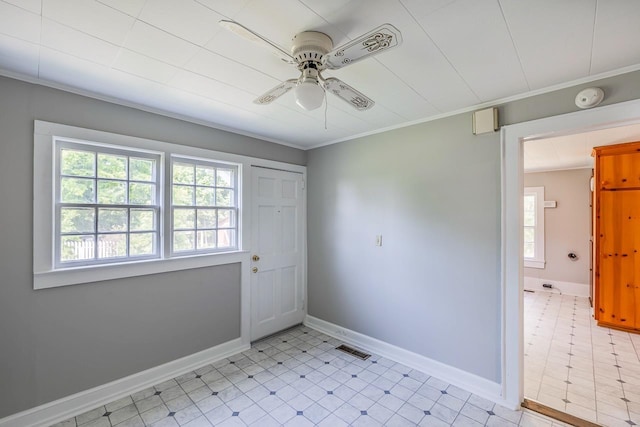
(255, 258)
(254, 269)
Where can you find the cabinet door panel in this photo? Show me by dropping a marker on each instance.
(619, 258)
(620, 171)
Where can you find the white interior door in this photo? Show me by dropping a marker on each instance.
(277, 242)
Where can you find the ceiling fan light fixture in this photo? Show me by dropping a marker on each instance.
(309, 94)
(313, 52)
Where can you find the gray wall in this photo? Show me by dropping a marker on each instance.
(433, 191)
(567, 227)
(432, 288)
(56, 342)
(617, 89)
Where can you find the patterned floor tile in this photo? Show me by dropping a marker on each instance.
(298, 378)
(571, 363)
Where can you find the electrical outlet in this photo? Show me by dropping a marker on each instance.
(379, 240)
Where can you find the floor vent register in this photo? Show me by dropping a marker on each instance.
(352, 351)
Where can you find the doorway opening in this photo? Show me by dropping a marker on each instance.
(571, 365)
(513, 137)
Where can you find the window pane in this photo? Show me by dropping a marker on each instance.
(226, 218)
(112, 245)
(77, 163)
(225, 178)
(141, 169)
(75, 248)
(182, 195)
(183, 173)
(224, 197)
(112, 220)
(110, 166)
(143, 220)
(142, 194)
(112, 192)
(530, 218)
(205, 176)
(529, 250)
(206, 239)
(183, 241)
(184, 219)
(142, 244)
(77, 190)
(77, 220)
(206, 218)
(529, 235)
(205, 196)
(529, 203)
(226, 238)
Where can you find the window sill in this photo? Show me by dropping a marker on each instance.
(532, 263)
(97, 273)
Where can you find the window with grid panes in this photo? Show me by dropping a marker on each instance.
(107, 204)
(203, 206)
(103, 206)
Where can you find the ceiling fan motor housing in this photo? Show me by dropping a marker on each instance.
(309, 47)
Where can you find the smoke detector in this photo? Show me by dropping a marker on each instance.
(589, 97)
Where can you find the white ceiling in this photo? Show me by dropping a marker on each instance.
(574, 151)
(171, 56)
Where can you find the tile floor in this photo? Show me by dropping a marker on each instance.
(573, 365)
(297, 378)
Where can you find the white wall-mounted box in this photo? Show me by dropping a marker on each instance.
(485, 121)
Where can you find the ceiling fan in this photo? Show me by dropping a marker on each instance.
(312, 52)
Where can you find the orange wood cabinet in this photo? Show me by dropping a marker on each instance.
(617, 235)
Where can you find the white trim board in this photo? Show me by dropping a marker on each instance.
(76, 404)
(154, 110)
(147, 108)
(492, 103)
(566, 288)
(480, 386)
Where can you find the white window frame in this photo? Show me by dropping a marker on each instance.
(171, 207)
(91, 146)
(48, 275)
(538, 260)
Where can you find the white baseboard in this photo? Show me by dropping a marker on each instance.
(477, 385)
(567, 288)
(67, 407)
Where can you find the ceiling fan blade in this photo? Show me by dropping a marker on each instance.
(372, 43)
(276, 92)
(356, 99)
(246, 33)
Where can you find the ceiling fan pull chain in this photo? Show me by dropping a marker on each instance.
(326, 105)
